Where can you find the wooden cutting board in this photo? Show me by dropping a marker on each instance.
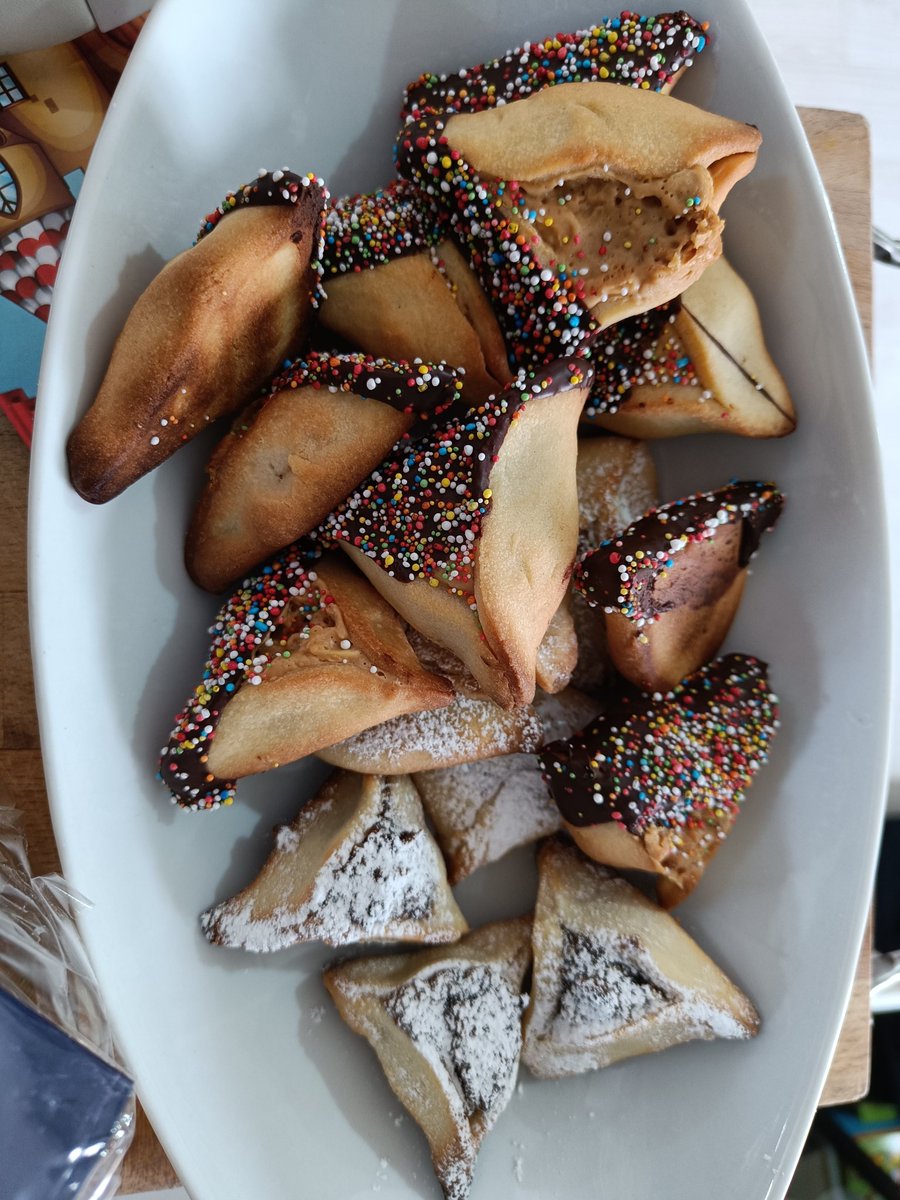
(840, 142)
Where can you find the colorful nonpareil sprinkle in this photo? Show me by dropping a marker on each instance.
(681, 760)
(641, 350)
(419, 515)
(412, 387)
(370, 229)
(645, 52)
(620, 576)
(254, 627)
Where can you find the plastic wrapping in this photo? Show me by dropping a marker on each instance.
(66, 1104)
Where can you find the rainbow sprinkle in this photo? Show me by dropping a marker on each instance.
(681, 760)
(253, 628)
(641, 350)
(644, 52)
(419, 515)
(370, 229)
(426, 389)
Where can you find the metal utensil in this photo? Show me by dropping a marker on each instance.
(886, 249)
(885, 989)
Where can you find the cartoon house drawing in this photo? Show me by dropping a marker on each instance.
(52, 104)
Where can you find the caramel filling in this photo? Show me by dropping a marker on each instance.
(311, 641)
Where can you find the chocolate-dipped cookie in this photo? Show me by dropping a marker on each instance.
(326, 422)
(656, 782)
(470, 532)
(579, 205)
(670, 584)
(207, 333)
(305, 651)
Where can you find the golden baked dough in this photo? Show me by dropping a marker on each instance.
(356, 865)
(616, 976)
(206, 334)
(326, 423)
(557, 654)
(462, 731)
(446, 1026)
(468, 729)
(427, 305)
(481, 810)
(616, 485)
(304, 652)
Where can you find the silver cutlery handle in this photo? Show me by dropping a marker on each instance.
(886, 249)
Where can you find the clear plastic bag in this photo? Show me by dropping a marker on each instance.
(66, 1104)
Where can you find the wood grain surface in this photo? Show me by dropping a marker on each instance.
(840, 142)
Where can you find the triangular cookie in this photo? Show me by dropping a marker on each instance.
(446, 1026)
(482, 810)
(656, 782)
(614, 975)
(669, 585)
(470, 532)
(305, 651)
(580, 205)
(357, 865)
(465, 730)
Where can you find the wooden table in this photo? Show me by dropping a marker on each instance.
(840, 142)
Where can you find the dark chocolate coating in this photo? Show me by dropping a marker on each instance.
(622, 572)
(671, 760)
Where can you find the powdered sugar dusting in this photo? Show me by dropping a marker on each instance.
(468, 1017)
(387, 884)
(616, 485)
(287, 839)
(388, 876)
(482, 810)
(464, 730)
(606, 981)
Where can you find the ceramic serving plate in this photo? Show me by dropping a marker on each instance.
(251, 1080)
